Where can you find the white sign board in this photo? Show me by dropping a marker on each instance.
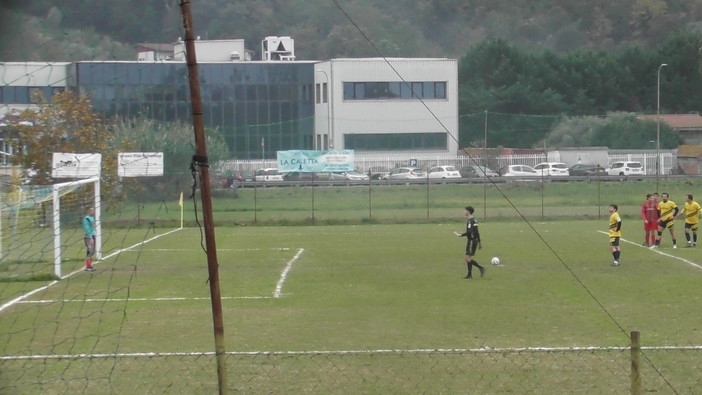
(70, 165)
(140, 164)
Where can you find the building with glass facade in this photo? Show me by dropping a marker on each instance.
(370, 105)
(260, 107)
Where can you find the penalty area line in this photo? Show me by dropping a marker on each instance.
(658, 251)
(30, 293)
(284, 275)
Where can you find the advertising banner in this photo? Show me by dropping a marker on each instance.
(140, 164)
(309, 161)
(71, 165)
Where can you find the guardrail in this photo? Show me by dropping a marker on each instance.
(438, 181)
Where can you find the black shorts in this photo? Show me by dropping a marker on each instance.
(471, 246)
(614, 241)
(691, 226)
(668, 223)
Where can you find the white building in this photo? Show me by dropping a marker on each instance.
(21, 81)
(381, 106)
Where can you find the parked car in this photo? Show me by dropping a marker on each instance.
(244, 175)
(225, 182)
(552, 169)
(519, 171)
(379, 175)
(268, 174)
(443, 172)
(477, 171)
(625, 169)
(587, 169)
(349, 176)
(405, 173)
(304, 176)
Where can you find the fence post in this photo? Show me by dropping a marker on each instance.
(635, 366)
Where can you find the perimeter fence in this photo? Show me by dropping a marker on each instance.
(426, 200)
(577, 370)
(386, 162)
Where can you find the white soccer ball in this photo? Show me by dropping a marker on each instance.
(495, 261)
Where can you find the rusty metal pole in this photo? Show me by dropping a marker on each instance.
(200, 160)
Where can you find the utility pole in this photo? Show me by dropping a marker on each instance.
(200, 162)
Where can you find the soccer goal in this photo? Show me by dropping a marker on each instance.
(38, 224)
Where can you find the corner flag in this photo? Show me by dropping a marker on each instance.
(180, 203)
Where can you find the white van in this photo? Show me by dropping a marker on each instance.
(625, 169)
(268, 174)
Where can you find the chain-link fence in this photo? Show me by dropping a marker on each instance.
(584, 370)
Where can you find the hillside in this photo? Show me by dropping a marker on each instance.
(85, 29)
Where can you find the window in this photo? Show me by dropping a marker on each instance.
(325, 96)
(318, 93)
(35, 95)
(440, 90)
(359, 90)
(417, 90)
(394, 90)
(428, 89)
(56, 90)
(348, 91)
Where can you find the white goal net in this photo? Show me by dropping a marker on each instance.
(40, 227)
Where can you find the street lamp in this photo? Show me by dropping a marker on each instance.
(658, 126)
(330, 97)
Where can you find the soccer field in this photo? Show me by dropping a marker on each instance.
(367, 308)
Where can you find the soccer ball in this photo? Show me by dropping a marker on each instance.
(495, 261)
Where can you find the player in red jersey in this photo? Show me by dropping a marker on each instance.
(650, 216)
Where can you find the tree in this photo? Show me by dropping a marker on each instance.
(177, 142)
(575, 132)
(625, 131)
(616, 131)
(66, 124)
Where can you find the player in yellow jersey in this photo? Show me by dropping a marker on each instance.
(615, 232)
(668, 210)
(691, 211)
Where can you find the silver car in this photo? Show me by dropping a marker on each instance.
(349, 176)
(405, 173)
(471, 171)
(444, 172)
(519, 171)
(553, 169)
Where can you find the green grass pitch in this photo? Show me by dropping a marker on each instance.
(368, 288)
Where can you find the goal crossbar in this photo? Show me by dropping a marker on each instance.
(56, 189)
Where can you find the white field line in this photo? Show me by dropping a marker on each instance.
(172, 299)
(483, 350)
(218, 249)
(284, 274)
(30, 293)
(658, 251)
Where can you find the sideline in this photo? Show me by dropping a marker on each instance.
(284, 274)
(481, 350)
(658, 251)
(30, 293)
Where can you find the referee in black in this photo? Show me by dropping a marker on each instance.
(473, 242)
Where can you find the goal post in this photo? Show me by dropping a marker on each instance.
(56, 191)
